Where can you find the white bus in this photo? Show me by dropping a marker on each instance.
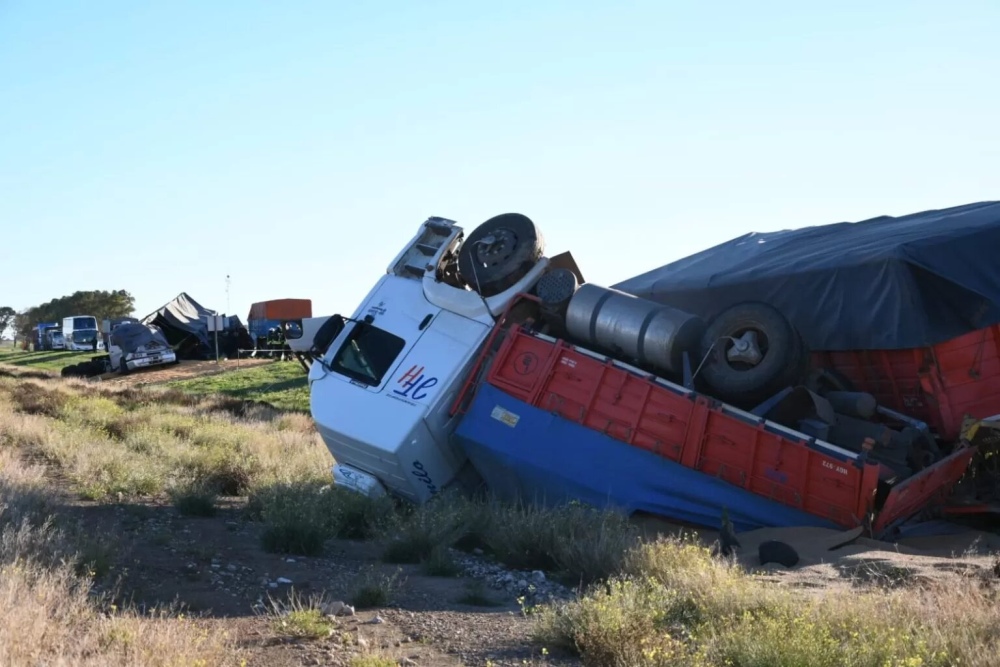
(80, 333)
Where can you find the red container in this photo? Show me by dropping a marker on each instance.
(695, 431)
(281, 309)
(939, 384)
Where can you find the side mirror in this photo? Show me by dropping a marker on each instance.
(330, 330)
(292, 330)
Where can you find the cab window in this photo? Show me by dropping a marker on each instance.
(368, 354)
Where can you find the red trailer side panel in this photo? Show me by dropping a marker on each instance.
(684, 427)
(939, 384)
(281, 309)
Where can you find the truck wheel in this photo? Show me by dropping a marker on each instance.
(756, 354)
(499, 252)
(122, 366)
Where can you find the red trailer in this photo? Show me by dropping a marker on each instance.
(281, 309)
(940, 385)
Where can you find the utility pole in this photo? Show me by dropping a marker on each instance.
(228, 312)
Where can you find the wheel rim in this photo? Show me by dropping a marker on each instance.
(746, 348)
(495, 248)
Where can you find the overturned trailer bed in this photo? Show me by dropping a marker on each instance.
(550, 422)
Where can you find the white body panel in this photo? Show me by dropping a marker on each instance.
(399, 430)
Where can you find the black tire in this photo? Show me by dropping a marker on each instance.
(122, 366)
(491, 269)
(773, 551)
(743, 384)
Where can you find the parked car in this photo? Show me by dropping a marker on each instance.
(135, 345)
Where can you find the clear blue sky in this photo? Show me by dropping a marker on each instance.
(157, 147)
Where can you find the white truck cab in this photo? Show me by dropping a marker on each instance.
(384, 380)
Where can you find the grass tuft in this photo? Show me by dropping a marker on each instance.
(196, 500)
(440, 563)
(301, 618)
(375, 589)
(581, 543)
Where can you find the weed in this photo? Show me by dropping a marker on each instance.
(437, 524)
(375, 589)
(440, 563)
(33, 399)
(96, 559)
(299, 517)
(582, 543)
(360, 517)
(299, 618)
(194, 500)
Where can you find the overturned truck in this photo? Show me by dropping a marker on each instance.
(477, 360)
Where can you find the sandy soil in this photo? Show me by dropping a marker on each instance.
(831, 558)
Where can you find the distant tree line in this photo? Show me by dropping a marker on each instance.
(99, 303)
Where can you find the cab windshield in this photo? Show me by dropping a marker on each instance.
(367, 354)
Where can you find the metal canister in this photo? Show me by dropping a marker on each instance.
(623, 325)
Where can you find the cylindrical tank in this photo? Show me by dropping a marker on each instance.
(555, 289)
(622, 324)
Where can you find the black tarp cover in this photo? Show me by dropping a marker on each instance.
(130, 337)
(883, 283)
(180, 318)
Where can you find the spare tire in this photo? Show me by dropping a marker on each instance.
(773, 357)
(499, 252)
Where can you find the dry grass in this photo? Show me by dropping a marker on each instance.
(301, 618)
(142, 442)
(47, 618)
(47, 615)
(676, 604)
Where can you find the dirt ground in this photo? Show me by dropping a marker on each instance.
(182, 371)
(216, 568)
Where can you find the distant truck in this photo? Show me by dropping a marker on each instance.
(81, 334)
(39, 338)
(267, 322)
(54, 340)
